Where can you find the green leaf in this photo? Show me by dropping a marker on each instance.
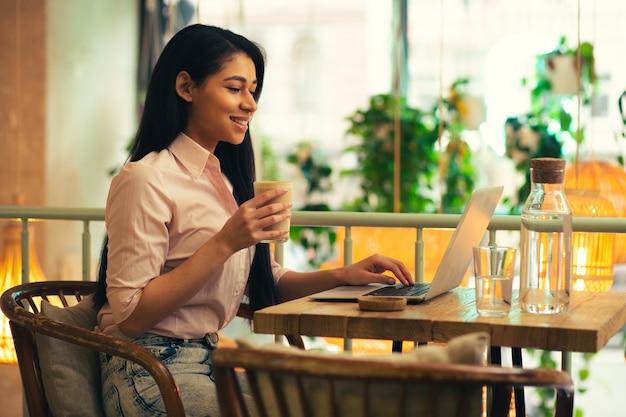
(583, 374)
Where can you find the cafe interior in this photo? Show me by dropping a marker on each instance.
(385, 115)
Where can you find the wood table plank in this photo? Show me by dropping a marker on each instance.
(592, 320)
(282, 318)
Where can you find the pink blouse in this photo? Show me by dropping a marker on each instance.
(159, 211)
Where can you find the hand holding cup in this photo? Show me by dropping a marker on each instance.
(263, 186)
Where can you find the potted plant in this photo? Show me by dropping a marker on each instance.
(549, 123)
(318, 242)
(421, 160)
(436, 173)
(373, 131)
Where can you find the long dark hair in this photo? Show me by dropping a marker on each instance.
(201, 51)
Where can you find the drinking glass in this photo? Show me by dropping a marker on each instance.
(494, 267)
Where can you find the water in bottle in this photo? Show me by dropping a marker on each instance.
(546, 236)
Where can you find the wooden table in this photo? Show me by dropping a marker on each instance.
(592, 320)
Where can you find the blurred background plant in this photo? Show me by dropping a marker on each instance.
(551, 125)
(422, 163)
(268, 164)
(456, 161)
(318, 242)
(528, 137)
(373, 129)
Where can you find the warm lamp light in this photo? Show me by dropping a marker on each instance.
(10, 276)
(609, 180)
(592, 253)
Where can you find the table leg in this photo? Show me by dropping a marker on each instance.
(496, 359)
(520, 402)
(496, 398)
(566, 361)
(396, 346)
(495, 355)
(347, 345)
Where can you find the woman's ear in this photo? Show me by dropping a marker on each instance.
(184, 86)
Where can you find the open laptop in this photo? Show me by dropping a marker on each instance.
(457, 258)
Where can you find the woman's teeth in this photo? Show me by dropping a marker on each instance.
(241, 122)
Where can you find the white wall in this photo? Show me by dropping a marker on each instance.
(90, 104)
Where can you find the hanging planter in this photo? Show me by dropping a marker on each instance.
(558, 72)
(562, 73)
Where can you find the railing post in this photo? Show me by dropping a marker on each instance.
(279, 253)
(25, 248)
(279, 256)
(347, 247)
(86, 251)
(347, 260)
(419, 255)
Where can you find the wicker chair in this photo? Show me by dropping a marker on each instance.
(22, 305)
(294, 384)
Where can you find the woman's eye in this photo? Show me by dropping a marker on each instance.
(234, 89)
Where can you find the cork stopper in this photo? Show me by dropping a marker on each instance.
(547, 170)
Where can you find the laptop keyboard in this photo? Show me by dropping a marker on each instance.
(401, 290)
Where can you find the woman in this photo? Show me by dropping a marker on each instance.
(184, 228)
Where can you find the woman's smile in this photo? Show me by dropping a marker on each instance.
(222, 106)
(240, 122)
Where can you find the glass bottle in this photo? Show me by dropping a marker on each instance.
(546, 241)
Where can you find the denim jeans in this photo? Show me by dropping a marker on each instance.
(129, 390)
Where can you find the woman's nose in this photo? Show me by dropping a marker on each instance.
(249, 104)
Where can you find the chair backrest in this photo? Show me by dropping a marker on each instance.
(289, 384)
(22, 305)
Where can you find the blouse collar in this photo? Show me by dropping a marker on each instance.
(193, 156)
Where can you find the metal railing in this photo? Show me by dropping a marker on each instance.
(349, 220)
